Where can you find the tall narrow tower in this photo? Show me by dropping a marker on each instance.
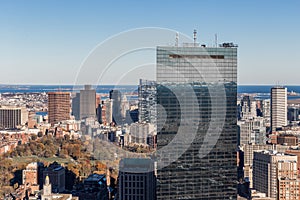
(47, 190)
(87, 102)
(278, 107)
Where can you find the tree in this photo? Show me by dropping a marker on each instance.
(48, 153)
(40, 134)
(34, 137)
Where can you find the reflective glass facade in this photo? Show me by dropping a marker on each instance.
(197, 91)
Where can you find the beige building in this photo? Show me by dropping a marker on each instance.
(12, 117)
(275, 174)
(141, 133)
(249, 150)
(278, 107)
(288, 183)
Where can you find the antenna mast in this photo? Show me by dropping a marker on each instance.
(216, 40)
(195, 37)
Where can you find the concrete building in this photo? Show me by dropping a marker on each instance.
(252, 131)
(124, 107)
(84, 103)
(12, 117)
(116, 97)
(271, 169)
(278, 107)
(147, 101)
(293, 113)
(184, 71)
(136, 179)
(288, 185)
(58, 107)
(76, 106)
(108, 106)
(87, 102)
(289, 140)
(248, 107)
(266, 108)
(295, 151)
(143, 133)
(248, 153)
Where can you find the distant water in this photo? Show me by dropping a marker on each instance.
(263, 91)
(263, 88)
(104, 89)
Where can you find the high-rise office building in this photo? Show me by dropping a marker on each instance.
(252, 131)
(248, 150)
(293, 113)
(248, 108)
(76, 106)
(87, 102)
(275, 174)
(137, 179)
(278, 107)
(184, 72)
(84, 103)
(116, 97)
(108, 113)
(12, 117)
(266, 108)
(143, 133)
(147, 101)
(58, 106)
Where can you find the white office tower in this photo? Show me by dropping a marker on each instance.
(278, 107)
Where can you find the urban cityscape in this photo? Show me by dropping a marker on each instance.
(193, 129)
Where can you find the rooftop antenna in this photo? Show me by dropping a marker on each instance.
(216, 40)
(195, 37)
(176, 39)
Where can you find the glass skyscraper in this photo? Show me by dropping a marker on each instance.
(196, 122)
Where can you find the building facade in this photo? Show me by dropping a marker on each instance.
(12, 117)
(181, 73)
(137, 179)
(94, 188)
(87, 102)
(278, 107)
(58, 107)
(147, 101)
(248, 108)
(142, 133)
(272, 170)
(252, 131)
(32, 174)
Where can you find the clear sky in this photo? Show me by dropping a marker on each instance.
(45, 42)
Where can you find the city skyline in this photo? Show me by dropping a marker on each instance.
(56, 37)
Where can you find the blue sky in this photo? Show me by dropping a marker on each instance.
(46, 42)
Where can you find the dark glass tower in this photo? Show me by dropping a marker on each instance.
(197, 93)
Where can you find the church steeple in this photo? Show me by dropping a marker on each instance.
(47, 191)
(47, 182)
